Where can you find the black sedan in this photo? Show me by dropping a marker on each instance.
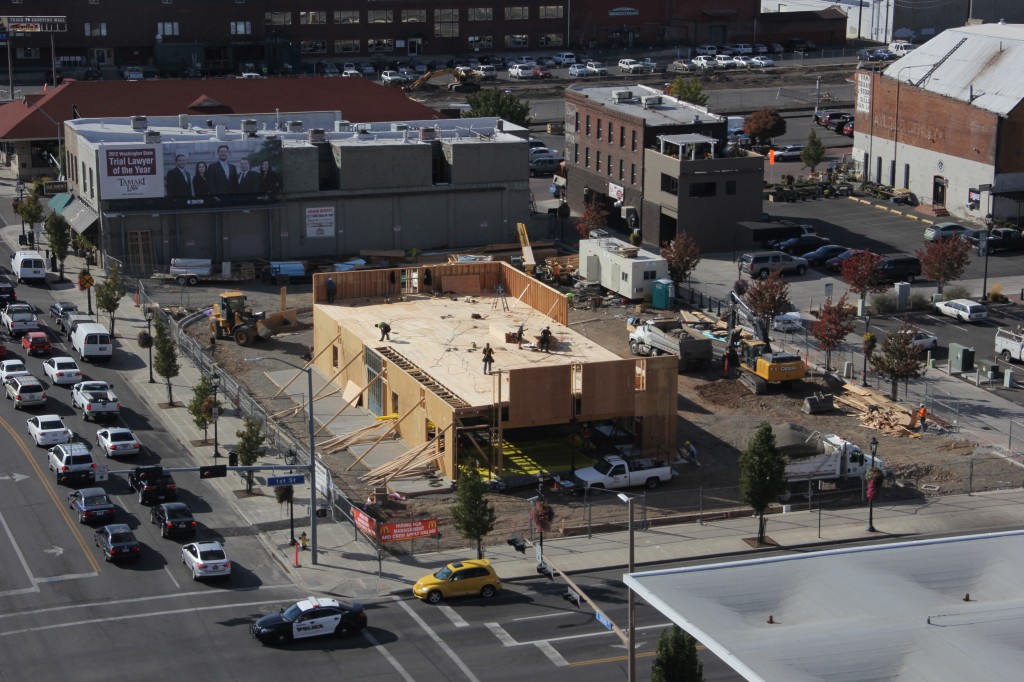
(310, 617)
(874, 54)
(91, 505)
(174, 518)
(7, 293)
(821, 254)
(802, 244)
(117, 542)
(835, 264)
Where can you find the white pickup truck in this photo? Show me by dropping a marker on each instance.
(19, 318)
(613, 472)
(1010, 344)
(95, 399)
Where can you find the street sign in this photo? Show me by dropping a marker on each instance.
(294, 479)
(603, 620)
(102, 473)
(85, 281)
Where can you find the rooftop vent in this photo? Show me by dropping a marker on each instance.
(342, 127)
(249, 125)
(293, 126)
(152, 137)
(317, 135)
(183, 121)
(696, 119)
(139, 123)
(622, 95)
(398, 127)
(427, 134)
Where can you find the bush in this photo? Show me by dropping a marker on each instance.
(884, 303)
(951, 293)
(919, 301)
(995, 294)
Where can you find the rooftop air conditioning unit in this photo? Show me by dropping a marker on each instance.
(139, 123)
(249, 125)
(599, 234)
(399, 127)
(362, 127)
(427, 134)
(650, 100)
(152, 137)
(183, 121)
(293, 126)
(622, 95)
(626, 251)
(317, 135)
(342, 127)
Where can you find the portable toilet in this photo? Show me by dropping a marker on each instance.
(662, 293)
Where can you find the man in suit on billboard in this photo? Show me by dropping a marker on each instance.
(178, 180)
(248, 179)
(223, 176)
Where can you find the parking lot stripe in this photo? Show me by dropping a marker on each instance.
(387, 656)
(437, 640)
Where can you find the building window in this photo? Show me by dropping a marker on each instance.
(345, 16)
(241, 28)
(379, 16)
(599, 129)
(277, 18)
(167, 28)
(313, 47)
(576, 122)
(634, 141)
(480, 42)
(622, 170)
(312, 18)
(576, 154)
(588, 125)
(703, 189)
(446, 23)
(95, 29)
(480, 14)
(611, 135)
(632, 173)
(380, 45)
(730, 187)
(650, 275)
(517, 40)
(92, 194)
(611, 166)
(669, 184)
(346, 46)
(622, 137)
(414, 16)
(597, 166)
(334, 356)
(551, 11)
(550, 40)
(517, 13)
(586, 158)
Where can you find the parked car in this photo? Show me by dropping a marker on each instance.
(839, 123)
(706, 50)
(704, 62)
(565, 58)
(206, 560)
(962, 309)
(680, 66)
(828, 118)
(117, 542)
(92, 505)
(762, 61)
(518, 71)
(835, 264)
(579, 71)
(760, 48)
(741, 48)
(848, 129)
(724, 61)
(821, 254)
(459, 579)
(760, 264)
(939, 231)
(822, 113)
(920, 338)
(541, 72)
(597, 68)
(899, 269)
(801, 244)
(742, 61)
(873, 54)
(777, 48)
(791, 152)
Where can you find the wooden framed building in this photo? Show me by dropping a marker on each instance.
(430, 377)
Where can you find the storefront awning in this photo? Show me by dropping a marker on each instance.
(58, 202)
(81, 217)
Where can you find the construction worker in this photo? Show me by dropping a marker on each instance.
(519, 334)
(331, 289)
(922, 417)
(545, 339)
(488, 358)
(385, 330)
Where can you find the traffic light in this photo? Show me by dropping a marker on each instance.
(516, 542)
(213, 471)
(572, 596)
(544, 569)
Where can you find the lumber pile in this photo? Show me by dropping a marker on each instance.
(419, 461)
(357, 437)
(876, 411)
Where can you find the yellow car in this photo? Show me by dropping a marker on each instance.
(459, 579)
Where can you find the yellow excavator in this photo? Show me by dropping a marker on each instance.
(759, 367)
(465, 81)
(231, 319)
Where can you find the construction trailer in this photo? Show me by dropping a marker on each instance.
(620, 267)
(429, 376)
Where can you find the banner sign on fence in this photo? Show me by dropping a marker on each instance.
(365, 523)
(408, 530)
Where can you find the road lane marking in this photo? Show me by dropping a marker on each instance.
(387, 656)
(437, 640)
(172, 578)
(503, 636)
(546, 615)
(66, 576)
(21, 558)
(553, 656)
(135, 616)
(615, 659)
(457, 620)
(508, 640)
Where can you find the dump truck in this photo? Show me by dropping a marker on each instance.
(614, 472)
(232, 319)
(670, 337)
(836, 460)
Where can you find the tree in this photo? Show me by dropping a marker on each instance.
(860, 271)
(676, 659)
(683, 256)
(765, 124)
(595, 217)
(899, 357)
(768, 298)
(813, 152)
(542, 516)
(58, 234)
(202, 404)
(31, 210)
(688, 90)
(944, 260)
(165, 363)
(834, 323)
(250, 440)
(497, 102)
(762, 474)
(473, 514)
(110, 292)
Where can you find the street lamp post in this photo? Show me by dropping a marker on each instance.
(871, 493)
(631, 609)
(21, 197)
(989, 222)
(149, 333)
(312, 456)
(215, 414)
(867, 330)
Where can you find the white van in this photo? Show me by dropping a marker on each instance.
(901, 48)
(28, 266)
(92, 341)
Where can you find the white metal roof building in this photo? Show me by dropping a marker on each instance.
(884, 612)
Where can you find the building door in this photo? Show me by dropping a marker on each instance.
(101, 56)
(939, 191)
(141, 258)
(415, 46)
(667, 228)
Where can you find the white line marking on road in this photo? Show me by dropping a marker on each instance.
(437, 640)
(21, 558)
(553, 655)
(457, 620)
(503, 636)
(135, 616)
(508, 640)
(176, 585)
(387, 656)
(66, 576)
(546, 615)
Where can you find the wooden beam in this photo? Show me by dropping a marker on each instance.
(386, 433)
(349, 403)
(311, 361)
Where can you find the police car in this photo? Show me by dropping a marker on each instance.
(310, 617)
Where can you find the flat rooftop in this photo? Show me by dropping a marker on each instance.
(437, 334)
(669, 112)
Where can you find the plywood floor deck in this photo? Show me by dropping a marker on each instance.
(440, 336)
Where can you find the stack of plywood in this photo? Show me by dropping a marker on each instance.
(877, 411)
(420, 460)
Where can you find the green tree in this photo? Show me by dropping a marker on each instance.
(944, 260)
(202, 404)
(250, 440)
(31, 210)
(676, 659)
(762, 474)
(682, 255)
(58, 234)
(497, 102)
(834, 323)
(165, 362)
(899, 357)
(473, 514)
(814, 151)
(688, 90)
(765, 124)
(110, 292)
(595, 217)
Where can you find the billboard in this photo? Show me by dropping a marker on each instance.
(179, 175)
(408, 530)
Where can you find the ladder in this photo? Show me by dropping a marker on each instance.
(499, 296)
(939, 63)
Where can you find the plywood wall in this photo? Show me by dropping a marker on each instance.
(656, 403)
(539, 395)
(607, 389)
